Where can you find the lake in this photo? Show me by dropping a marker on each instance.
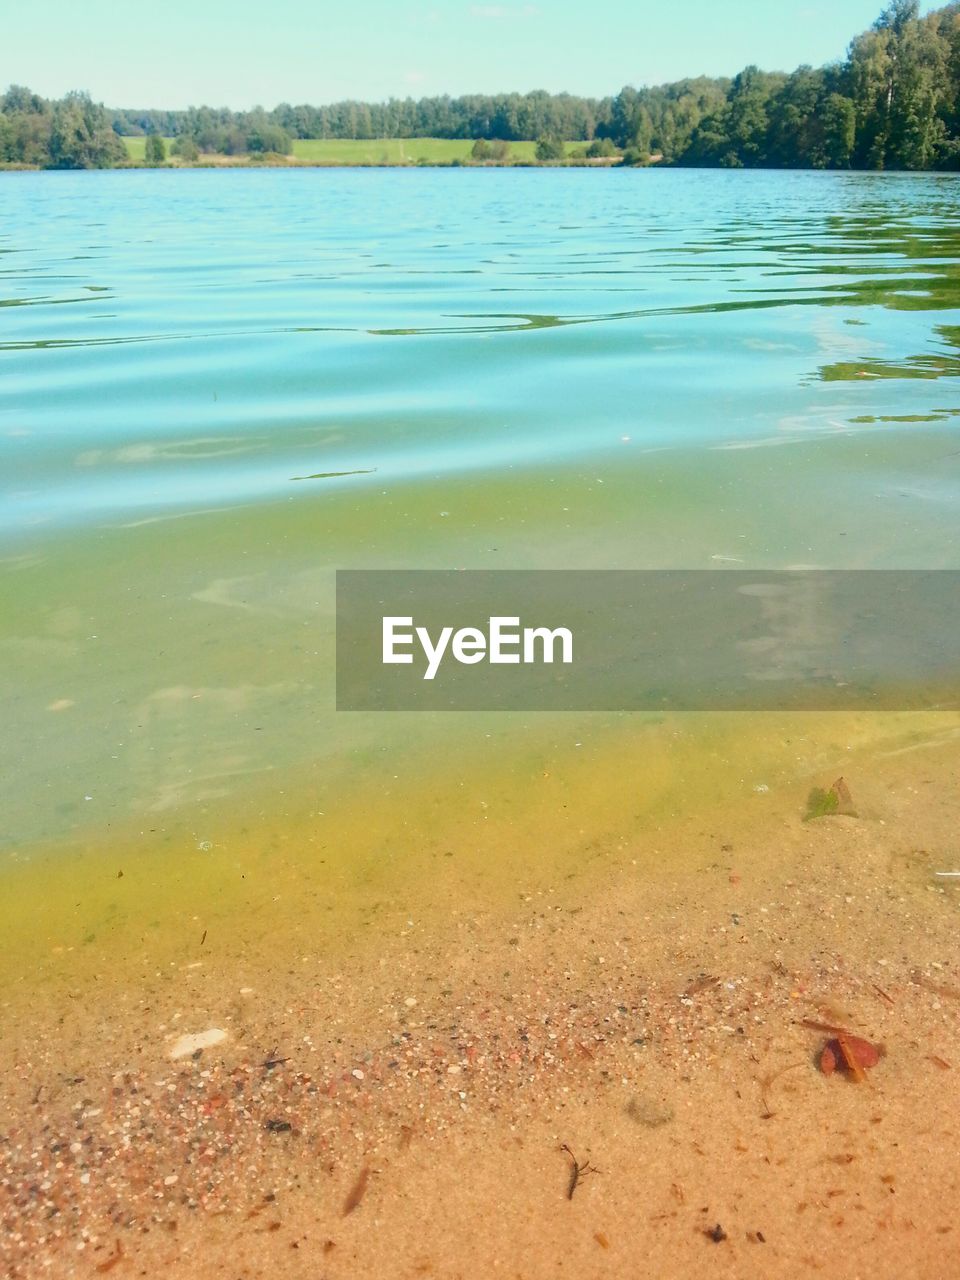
(219, 387)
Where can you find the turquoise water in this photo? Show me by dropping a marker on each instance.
(218, 387)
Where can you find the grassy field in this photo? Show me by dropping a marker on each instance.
(137, 148)
(397, 150)
(376, 151)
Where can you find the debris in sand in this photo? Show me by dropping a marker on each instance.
(849, 1052)
(578, 1171)
(109, 1263)
(820, 804)
(648, 1111)
(186, 1045)
(357, 1191)
(835, 801)
(703, 983)
(844, 798)
(768, 1113)
(943, 989)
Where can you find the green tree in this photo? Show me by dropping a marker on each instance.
(19, 100)
(30, 138)
(186, 148)
(549, 148)
(269, 137)
(915, 128)
(839, 131)
(897, 16)
(747, 118)
(623, 122)
(233, 141)
(899, 77)
(156, 149)
(81, 136)
(871, 69)
(480, 151)
(793, 115)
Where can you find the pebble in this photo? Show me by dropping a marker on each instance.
(184, 1045)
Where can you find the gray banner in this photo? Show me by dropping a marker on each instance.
(647, 640)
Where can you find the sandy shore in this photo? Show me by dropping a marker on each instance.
(416, 1105)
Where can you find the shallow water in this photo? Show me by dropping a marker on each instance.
(219, 387)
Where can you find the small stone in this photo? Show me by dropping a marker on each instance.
(187, 1045)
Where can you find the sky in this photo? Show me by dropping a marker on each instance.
(239, 54)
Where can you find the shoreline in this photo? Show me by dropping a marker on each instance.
(229, 163)
(429, 1068)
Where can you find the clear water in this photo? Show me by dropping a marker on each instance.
(218, 387)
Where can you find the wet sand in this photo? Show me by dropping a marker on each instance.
(411, 1100)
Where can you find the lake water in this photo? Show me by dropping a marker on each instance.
(219, 387)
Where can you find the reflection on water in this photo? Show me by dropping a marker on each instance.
(485, 370)
(928, 364)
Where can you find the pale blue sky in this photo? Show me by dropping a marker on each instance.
(172, 53)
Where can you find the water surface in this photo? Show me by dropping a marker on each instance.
(218, 387)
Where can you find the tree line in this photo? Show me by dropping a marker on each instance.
(892, 103)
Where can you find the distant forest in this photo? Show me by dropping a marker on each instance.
(893, 103)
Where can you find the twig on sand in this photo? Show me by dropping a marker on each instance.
(812, 1024)
(851, 1059)
(768, 1113)
(109, 1263)
(578, 1171)
(944, 989)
